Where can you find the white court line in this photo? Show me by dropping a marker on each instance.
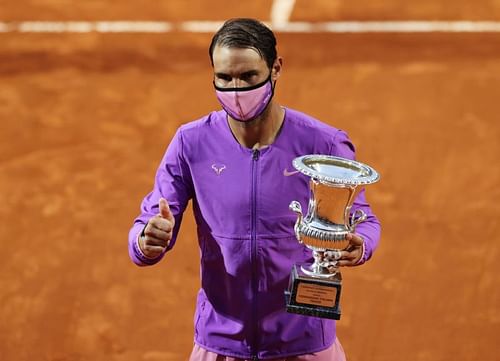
(411, 26)
(87, 27)
(280, 13)
(289, 27)
(200, 26)
(4, 27)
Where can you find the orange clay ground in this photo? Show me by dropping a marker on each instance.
(85, 119)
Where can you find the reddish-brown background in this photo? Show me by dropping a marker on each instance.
(84, 121)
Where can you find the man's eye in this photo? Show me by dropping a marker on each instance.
(248, 77)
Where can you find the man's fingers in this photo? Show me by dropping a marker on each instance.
(165, 211)
(160, 223)
(152, 241)
(153, 251)
(348, 255)
(152, 247)
(353, 252)
(354, 239)
(349, 258)
(344, 263)
(157, 233)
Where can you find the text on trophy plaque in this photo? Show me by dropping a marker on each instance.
(314, 294)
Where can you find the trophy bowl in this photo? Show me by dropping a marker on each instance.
(334, 184)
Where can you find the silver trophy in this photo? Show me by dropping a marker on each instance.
(314, 289)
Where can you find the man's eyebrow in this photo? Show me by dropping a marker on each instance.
(250, 73)
(245, 74)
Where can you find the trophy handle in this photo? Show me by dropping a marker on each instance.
(297, 208)
(357, 217)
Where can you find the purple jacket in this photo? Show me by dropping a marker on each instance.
(245, 231)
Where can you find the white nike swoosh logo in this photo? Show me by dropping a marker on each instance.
(287, 173)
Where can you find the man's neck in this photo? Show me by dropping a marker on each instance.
(260, 132)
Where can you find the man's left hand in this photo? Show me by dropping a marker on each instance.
(353, 253)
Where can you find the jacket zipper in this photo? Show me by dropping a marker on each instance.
(255, 158)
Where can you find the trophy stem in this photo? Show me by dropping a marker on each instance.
(323, 267)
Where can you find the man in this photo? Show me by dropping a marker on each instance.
(235, 164)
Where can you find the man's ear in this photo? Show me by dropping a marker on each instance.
(277, 67)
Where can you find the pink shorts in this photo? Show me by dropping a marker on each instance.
(333, 353)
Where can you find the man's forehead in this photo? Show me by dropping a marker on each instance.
(231, 54)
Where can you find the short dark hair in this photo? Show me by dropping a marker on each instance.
(246, 33)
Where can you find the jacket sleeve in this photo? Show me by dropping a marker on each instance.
(172, 182)
(370, 228)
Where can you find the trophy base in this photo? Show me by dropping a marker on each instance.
(312, 296)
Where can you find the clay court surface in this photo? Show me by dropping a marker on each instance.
(85, 119)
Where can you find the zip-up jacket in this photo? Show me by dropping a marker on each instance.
(245, 231)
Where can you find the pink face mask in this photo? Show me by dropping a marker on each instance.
(245, 104)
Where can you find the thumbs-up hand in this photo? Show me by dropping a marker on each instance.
(158, 231)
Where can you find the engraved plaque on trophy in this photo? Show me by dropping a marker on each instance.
(314, 289)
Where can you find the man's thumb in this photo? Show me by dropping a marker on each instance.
(165, 209)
